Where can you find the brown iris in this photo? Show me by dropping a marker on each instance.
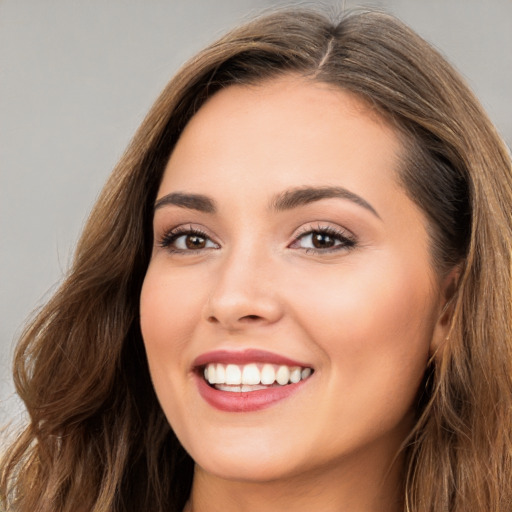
(195, 242)
(322, 240)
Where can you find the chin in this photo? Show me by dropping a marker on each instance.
(238, 468)
(256, 460)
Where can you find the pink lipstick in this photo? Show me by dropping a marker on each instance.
(248, 380)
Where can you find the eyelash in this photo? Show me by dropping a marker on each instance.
(346, 240)
(170, 237)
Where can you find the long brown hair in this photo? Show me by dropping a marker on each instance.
(97, 439)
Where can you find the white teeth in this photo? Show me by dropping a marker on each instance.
(212, 374)
(283, 375)
(304, 374)
(233, 374)
(239, 389)
(295, 375)
(251, 377)
(268, 374)
(250, 374)
(220, 373)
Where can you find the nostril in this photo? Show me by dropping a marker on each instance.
(250, 318)
(244, 319)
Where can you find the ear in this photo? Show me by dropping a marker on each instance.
(446, 306)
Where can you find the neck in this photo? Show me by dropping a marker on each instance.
(346, 487)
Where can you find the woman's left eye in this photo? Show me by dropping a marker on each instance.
(324, 240)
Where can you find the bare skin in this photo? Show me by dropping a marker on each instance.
(339, 490)
(342, 283)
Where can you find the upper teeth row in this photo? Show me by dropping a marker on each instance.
(251, 374)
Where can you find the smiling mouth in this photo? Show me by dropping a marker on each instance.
(253, 376)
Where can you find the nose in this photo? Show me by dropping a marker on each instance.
(244, 293)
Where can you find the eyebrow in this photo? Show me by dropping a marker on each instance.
(197, 202)
(287, 200)
(305, 195)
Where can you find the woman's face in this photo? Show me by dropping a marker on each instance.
(286, 249)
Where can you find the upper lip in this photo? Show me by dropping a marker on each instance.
(245, 357)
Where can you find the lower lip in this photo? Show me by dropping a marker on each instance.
(250, 401)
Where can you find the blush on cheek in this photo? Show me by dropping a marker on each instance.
(372, 318)
(161, 303)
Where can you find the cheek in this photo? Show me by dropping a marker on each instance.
(168, 314)
(374, 326)
(168, 308)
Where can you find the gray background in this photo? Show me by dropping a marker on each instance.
(76, 78)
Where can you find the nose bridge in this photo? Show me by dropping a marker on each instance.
(244, 290)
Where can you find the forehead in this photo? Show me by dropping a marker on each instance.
(284, 131)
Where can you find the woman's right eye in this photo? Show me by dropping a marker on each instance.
(188, 240)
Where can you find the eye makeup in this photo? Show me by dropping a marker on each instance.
(323, 239)
(186, 238)
(317, 239)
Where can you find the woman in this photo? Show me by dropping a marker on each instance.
(294, 291)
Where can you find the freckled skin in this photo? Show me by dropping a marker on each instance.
(364, 317)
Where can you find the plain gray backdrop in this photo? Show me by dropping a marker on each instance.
(77, 77)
